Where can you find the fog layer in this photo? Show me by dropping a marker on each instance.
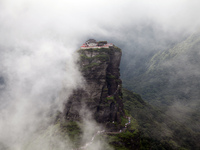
(38, 39)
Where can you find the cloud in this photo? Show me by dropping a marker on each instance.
(37, 44)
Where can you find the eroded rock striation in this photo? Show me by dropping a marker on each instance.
(102, 94)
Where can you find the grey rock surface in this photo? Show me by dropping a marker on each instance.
(102, 94)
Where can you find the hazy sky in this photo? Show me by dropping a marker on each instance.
(38, 39)
(72, 20)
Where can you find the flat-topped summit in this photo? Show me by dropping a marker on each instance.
(92, 43)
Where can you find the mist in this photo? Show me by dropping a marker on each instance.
(38, 63)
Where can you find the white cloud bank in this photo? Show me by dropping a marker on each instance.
(37, 42)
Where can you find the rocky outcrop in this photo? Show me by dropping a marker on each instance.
(102, 94)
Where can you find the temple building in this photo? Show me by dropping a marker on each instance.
(92, 43)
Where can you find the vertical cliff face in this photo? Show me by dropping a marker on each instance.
(102, 94)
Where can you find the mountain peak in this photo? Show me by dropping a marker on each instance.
(102, 94)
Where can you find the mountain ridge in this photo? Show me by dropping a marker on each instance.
(169, 80)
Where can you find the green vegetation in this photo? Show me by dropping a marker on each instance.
(169, 80)
(124, 141)
(96, 60)
(162, 78)
(90, 66)
(156, 127)
(107, 50)
(72, 130)
(102, 57)
(149, 129)
(110, 98)
(117, 49)
(47, 138)
(149, 143)
(101, 50)
(110, 76)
